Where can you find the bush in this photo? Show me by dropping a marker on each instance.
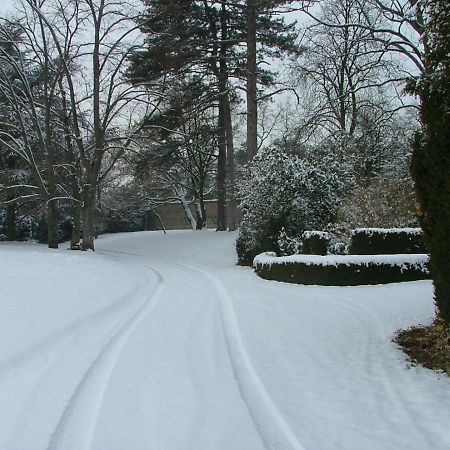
(315, 242)
(279, 190)
(380, 202)
(288, 245)
(348, 270)
(386, 241)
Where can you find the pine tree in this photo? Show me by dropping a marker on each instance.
(210, 38)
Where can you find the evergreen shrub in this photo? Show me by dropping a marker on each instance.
(386, 241)
(280, 190)
(345, 270)
(315, 242)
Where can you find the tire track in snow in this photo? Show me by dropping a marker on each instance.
(77, 424)
(272, 427)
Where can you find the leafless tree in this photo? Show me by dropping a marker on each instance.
(90, 41)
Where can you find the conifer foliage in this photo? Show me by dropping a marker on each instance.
(431, 157)
(211, 40)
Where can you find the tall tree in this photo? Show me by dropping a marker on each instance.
(431, 157)
(29, 82)
(91, 41)
(210, 38)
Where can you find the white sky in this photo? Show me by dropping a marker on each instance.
(5, 6)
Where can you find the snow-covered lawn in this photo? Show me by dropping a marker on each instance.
(162, 342)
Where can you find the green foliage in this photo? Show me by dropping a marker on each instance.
(431, 157)
(315, 243)
(367, 241)
(185, 35)
(279, 190)
(341, 274)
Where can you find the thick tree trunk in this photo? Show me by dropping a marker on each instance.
(52, 225)
(201, 212)
(221, 171)
(11, 220)
(252, 108)
(87, 242)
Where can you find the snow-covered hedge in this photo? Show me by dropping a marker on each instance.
(315, 242)
(342, 270)
(376, 241)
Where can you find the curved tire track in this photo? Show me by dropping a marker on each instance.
(272, 427)
(77, 424)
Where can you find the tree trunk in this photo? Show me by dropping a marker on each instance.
(231, 171)
(252, 108)
(200, 219)
(87, 242)
(11, 218)
(52, 225)
(188, 212)
(221, 171)
(76, 229)
(11, 206)
(201, 211)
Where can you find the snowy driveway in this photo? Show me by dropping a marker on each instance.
(161, 342)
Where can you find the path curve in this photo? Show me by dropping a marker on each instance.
(77, 424)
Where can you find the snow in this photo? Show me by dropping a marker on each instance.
(162, 342)
(370, 231)
(399, 260)
(320, 234)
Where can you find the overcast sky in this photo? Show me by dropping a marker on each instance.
(5, 6)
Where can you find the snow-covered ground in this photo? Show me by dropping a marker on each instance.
(162, 342)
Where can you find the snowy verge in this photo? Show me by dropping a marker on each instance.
(342, 270)
(59, 311)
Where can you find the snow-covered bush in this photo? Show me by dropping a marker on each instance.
(315, 242)
(385, 241)
(280, 190)
(342, 270)
(288, 245)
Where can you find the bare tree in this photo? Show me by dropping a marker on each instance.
(91, 40)
(29, 84)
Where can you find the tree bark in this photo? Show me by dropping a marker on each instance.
(221, 170)
(88, 231)
(52, 225)
(231, 170)
(188, 211)
(11, 218)
(252, 107)
(76, 230)
(201, 210)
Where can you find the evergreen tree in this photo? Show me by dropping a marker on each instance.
(210, 38)
(431, 156)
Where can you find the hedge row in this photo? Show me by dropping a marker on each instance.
(315, 242)
(386, 241)
(342, 270)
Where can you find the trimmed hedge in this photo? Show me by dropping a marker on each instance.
(315, 242)
(342, 270)
(386, 241)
